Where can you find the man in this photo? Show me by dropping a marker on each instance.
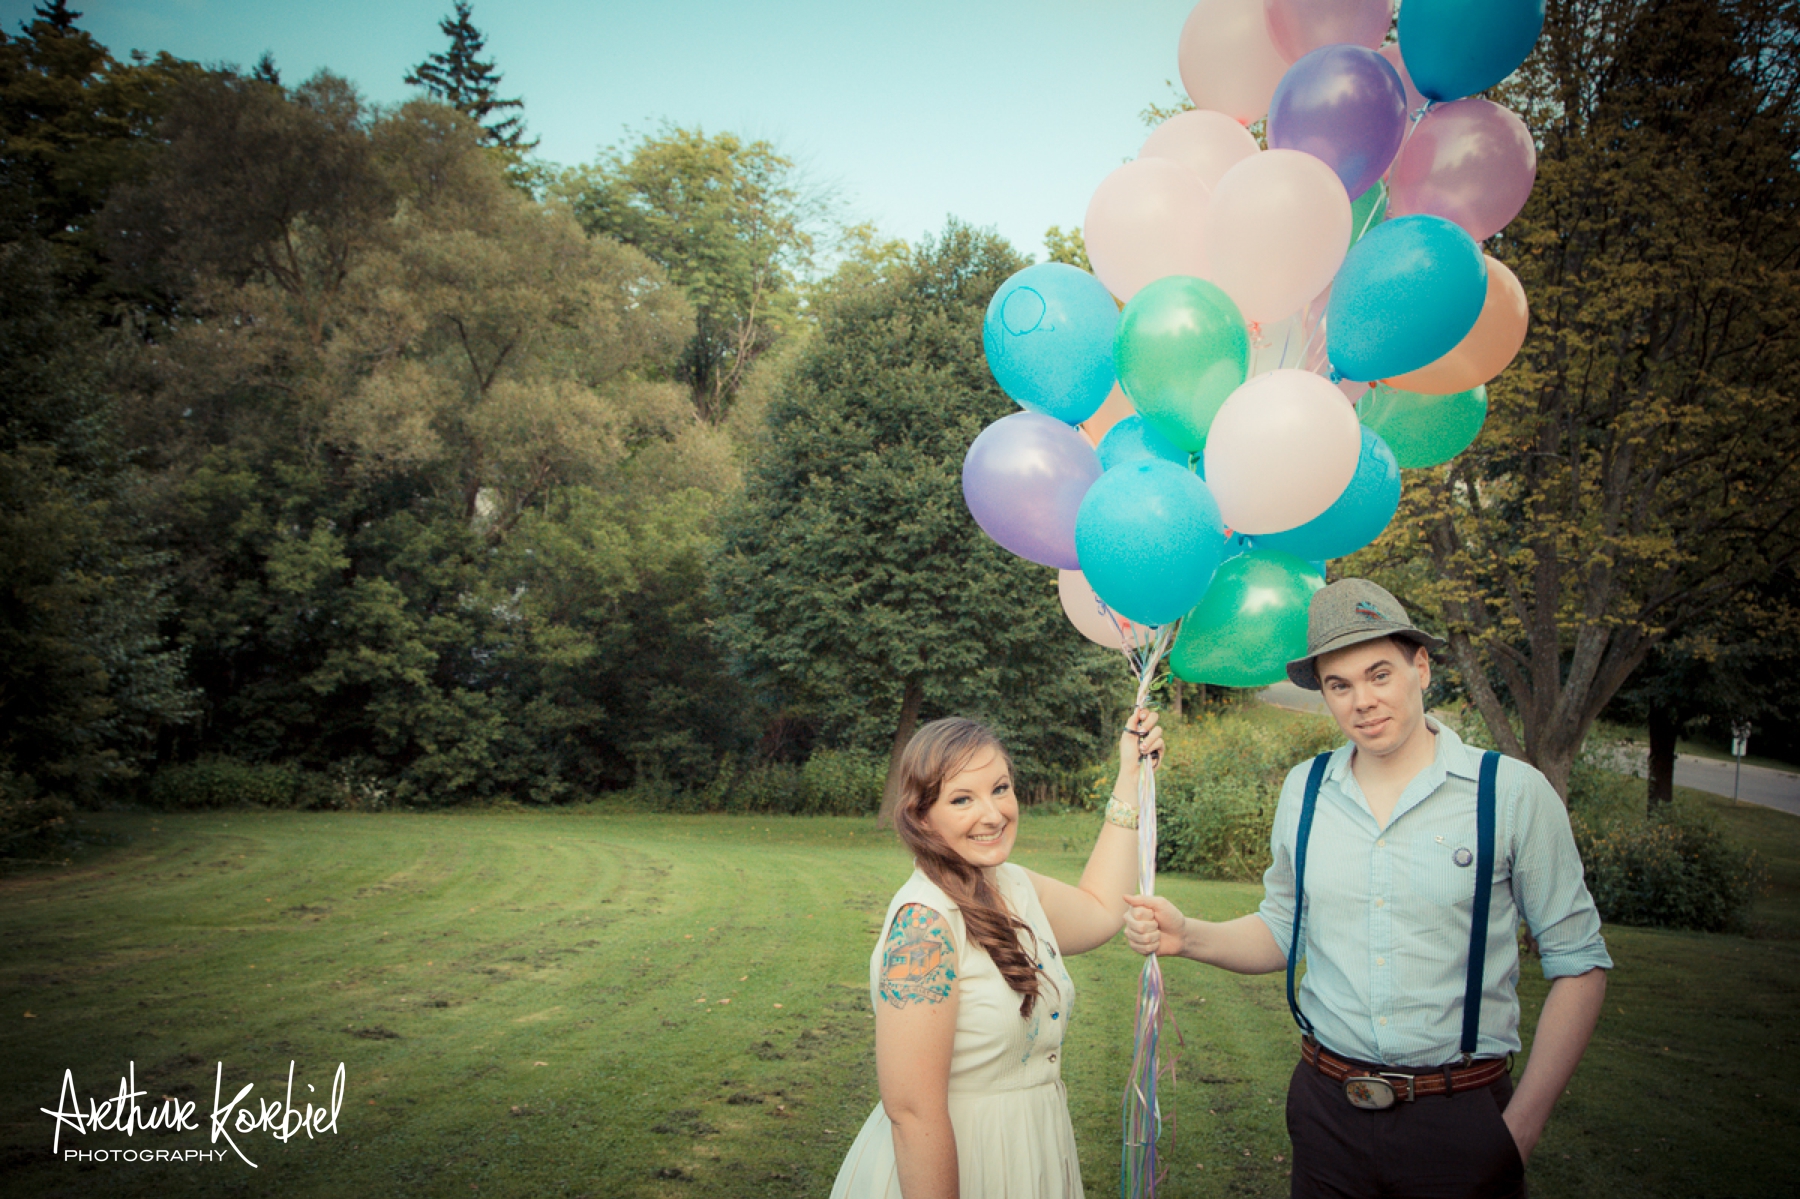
(1404, 1086)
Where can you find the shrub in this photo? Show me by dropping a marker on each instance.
(841, 782)
(1673, 870)
(33, 825)
(1216, 800)
(225, 783)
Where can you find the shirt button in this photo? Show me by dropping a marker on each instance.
(1381, 844)
(1381, 961)
(1379, 901)
(1384, 1022)
(1053, 1057)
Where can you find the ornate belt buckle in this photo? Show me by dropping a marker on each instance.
(1374, 1092)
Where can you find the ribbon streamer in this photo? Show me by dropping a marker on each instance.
(1139, 1173)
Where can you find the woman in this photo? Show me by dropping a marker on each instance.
(971, 995)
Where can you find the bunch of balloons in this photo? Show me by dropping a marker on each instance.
(1270, 334)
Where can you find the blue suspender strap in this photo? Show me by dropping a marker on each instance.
(1313, 781)
(1485, 804)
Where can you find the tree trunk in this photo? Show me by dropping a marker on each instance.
(1175, 699)
(903, 731)
(1663, 731)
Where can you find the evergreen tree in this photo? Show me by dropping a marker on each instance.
(58, 15)
(460, 78)
(862, 597)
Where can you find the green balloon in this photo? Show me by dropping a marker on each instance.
(1181, 349)
(1250, 624)
(1368, 210)
(1424, 430)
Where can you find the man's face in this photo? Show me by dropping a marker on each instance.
(1376, 692)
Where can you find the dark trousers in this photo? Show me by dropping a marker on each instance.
(1436, 1147)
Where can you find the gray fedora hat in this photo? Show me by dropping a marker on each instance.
(1346, 613)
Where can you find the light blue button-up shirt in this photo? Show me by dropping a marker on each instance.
(1385, 931)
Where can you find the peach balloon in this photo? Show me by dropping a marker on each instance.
(1281, 450)
(1089, 613)
(1146, 220)
(1228, 61)
(1276, 232)
(1487, 348)
(1115, 409)
(1209, 142)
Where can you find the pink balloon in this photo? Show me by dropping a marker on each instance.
(1298, 27)
(1146, 220)
(1209, 142)
(1469, 161)
(1228, 63)
(1090, 615)
(1414, 101)
(1276, 232)
(1281, 450)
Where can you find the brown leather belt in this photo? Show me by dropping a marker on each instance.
(1381, 1088)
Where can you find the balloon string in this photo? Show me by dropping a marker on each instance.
(1140, 1172)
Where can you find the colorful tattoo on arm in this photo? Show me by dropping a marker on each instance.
(919, 959)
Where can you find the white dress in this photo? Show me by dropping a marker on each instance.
(1008, 1107)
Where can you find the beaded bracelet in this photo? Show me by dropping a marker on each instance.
(1121, 814)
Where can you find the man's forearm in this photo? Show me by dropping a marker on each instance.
(1570, 1012)
(1244, 945)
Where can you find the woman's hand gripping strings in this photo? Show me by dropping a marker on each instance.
(1088, 915)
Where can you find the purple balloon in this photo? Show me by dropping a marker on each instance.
(1024, 479)
(1344, 105)
(1469, 161)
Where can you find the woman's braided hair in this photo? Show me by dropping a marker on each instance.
(936, 753)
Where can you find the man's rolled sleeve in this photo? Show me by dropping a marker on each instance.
(1277, 909)
(1548, 884)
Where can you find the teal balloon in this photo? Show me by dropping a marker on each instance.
(1455, 48)
(1048, 335)
(1407, 293)
(1181, 349)
(1251, 623)
(1367, 211)
(1149, 536)
(1424, 430)
(1356, 517)
(1132, 439)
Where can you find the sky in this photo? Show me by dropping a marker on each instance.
(1005, 115)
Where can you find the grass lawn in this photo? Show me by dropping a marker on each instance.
(605, 1003)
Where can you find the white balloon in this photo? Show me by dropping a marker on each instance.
(1146, 220)
(1210, 143)
(1281, 450)
(1277, 230)
(1090, 615)
(1228, 60)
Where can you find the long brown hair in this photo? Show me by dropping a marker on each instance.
(935, 753)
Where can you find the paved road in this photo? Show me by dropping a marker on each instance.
(1760, 785)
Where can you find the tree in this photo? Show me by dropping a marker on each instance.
(1640, 468)
(1736, 666)
(88, 681)
(1061, 246)
(435, 522)
(460, 78)
(727, 220)
(860, 595)
(73, 124)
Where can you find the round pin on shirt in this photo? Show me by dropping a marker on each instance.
(1462, 856)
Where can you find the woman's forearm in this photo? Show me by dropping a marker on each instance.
(925, 1155)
